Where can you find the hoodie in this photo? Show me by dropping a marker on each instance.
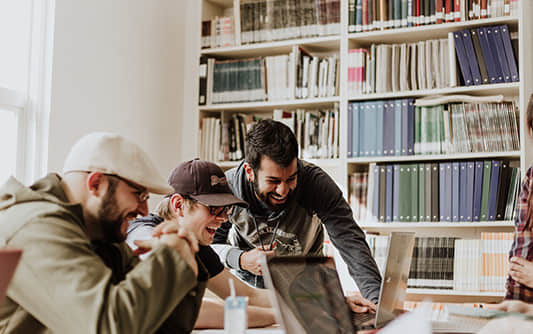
(65, 283)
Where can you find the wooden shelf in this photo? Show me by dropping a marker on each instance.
(313, 44)
(394, 225)
(507, 89)
(453, 296)
(433, 31)
(467, 230)
(222, 3)
(435, 157)
(325, 102)
(318, 162)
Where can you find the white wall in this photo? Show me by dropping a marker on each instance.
(118, 66)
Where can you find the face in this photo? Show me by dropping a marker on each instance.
(272, 183)
(198, 219)
(121, 203)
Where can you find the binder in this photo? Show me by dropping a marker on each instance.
(435, 192)
(503, 189)
(351, 131)
(389, 193)
(357, 129)
(502, 59)
(202, 89)
(421, 192)
(410, 126)
(493, 192)
(493, 49)
(487, 166)
(469, 191)
(396, 105)
(471, 55)
(492, 69)
(404, 127)
(413, 177)
(455, 191)
(461, 57)
(509, 53)
(449, 198)
(382, 190)
(377, 109)
(428, 192)
(479, 57)
(478, 187)
(462, 191)
(396, 193)
(442, 191)
(388, 129)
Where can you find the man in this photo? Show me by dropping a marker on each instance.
(200, 203)
(289, 200)
(77, 275)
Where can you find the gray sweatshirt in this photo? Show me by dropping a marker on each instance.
(299, 228)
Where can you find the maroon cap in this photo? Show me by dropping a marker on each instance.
(203, 181)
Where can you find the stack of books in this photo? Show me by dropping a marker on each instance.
(358, 189)
(218, 32)
(368, 15)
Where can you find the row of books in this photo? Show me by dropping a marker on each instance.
(223, 140)
(218, 32)
(461, 191)
(282, 77)
(486, 55)
(270, 20)
(387, 68)
(447, 263)
(368, 15)
(398, 127)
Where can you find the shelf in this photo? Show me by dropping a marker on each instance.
(222, 3)
(433, 31)
(395, 225)
(460, 229)
(325, 102)
(435, 157)
(318, 162)
(507, 89)
(313, 44)
(453, 296)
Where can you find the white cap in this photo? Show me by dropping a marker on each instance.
(110, 153)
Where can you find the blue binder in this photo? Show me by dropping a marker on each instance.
(442, 191)
(471, 55)
(404, 127)
(492, 47)
(356, 134)
(469, 191)
(461, 57)
(397, 105)
(410, 127)
(377, 108)
(462, 191)
(388, 194)
(478, 188)
(492, 69)
(455, 191)
(493, 191)
(509, 53)
(500, 51)
(388, 129)
(375, 194)
(351, 129)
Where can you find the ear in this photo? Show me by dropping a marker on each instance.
(249, 172)
(95, 183)
(177, 202)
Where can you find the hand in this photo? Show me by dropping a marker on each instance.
(251, 260)
(512, 306)
(179, 244)
(521, 270)
(359, 304)
(174, 227)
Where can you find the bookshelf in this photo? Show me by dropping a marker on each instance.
(340, 168)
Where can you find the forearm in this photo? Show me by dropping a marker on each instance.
(212, 315)
(229, 255)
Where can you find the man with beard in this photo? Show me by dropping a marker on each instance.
(77, 275)
(289, 202)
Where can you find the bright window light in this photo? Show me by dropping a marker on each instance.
(8, 146)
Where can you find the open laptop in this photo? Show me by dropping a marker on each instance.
(9, 259)
(307, 295)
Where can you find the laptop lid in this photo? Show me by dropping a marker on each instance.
(307, 295)
(9, 258)
(396, 273)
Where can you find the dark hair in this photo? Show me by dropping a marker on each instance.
(272, 139)
(529, 214)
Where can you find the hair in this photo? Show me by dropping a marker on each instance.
(166, 211)
(272, 139)
(529, 214)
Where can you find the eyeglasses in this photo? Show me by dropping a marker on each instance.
(214, 210)
(142, 193)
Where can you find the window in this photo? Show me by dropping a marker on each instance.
(26, 37)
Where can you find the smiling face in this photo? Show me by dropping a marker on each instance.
(272, 183)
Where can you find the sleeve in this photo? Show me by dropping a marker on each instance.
(211, 260)
(229, 255)
(323, 195)
(67, 287)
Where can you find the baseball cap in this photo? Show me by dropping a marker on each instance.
(203, 181)
(111, 153)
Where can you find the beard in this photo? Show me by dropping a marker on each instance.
(264, 197)
(109, 217)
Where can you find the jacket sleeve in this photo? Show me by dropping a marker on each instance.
(63, 283)
(229, 255)
(326, 198)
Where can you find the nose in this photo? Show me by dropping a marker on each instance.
(282, 189)
(143, 208)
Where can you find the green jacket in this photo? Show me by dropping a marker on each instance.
(67, 284)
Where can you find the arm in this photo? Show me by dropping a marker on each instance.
(335, 213)
(212, 315)
(219, 285)
(229, 255)
(68, 288)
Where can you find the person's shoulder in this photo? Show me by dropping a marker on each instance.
(152, 220)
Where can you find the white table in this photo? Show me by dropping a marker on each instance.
(269, 330)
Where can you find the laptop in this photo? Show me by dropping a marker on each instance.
(307, 296)
(9, 259)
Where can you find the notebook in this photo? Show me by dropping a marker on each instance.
(307, 296)
(9, 258)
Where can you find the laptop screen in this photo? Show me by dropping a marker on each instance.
(9, 258)
(308, 295)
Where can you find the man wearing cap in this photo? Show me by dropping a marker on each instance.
(77, 275)
(290, 203)
(201, 202)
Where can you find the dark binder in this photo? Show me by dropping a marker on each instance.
(461, 57)
(442, 191)
(503, 189)
(396, 193)
(356, 143)
(449, 198)
(471, 55)
(509, 53)
(351, 134)
(428, 192)
(389, 192)
(492, 69)
(410, 127)
(495, 55)
(375, 194)
(421, 192)
(479, 56)
(414, 192)
(500, 51)
(382, 194)
(388, 129)
(462, 191)
(469, 190)
(493, 193)
(478, 187)
(404, 127)
(404, 206)
(376, 108)
(397, 107)
(202, 78)
(455, 191)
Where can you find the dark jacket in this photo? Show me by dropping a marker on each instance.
(315, 202)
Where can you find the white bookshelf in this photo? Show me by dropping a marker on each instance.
(340, 168)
